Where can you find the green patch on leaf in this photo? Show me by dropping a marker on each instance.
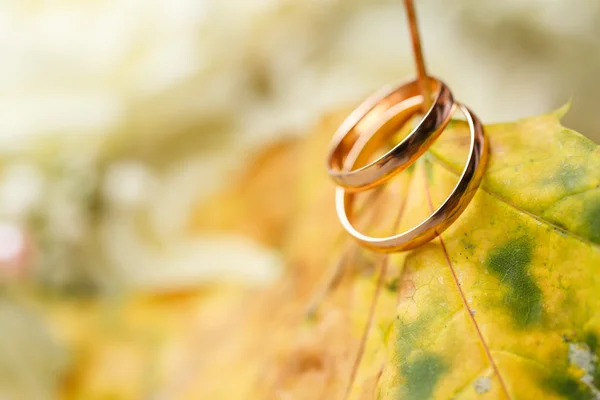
(422, 374)
(392, 285)
(592, 216)
(571, 176)
(575, 141)
(409, 335)
(429, 170)
(591, 339)
(567, 387)
(510, 262)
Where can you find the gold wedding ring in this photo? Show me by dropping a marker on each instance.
(384, 113)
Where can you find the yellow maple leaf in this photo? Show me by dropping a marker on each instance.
(503, 305)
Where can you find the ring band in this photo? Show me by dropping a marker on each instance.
(388, 105)
(441, 218)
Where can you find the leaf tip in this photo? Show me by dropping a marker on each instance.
(563, 110)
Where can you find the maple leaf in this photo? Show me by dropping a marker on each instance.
(503, 305)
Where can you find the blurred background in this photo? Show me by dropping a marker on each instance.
(118, 117)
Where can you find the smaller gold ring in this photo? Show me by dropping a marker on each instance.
(441, 218)
(388, 105)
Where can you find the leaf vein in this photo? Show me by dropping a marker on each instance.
(465, 303)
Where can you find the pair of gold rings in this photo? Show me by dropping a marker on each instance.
(377, 119)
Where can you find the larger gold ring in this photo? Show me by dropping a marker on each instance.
(384, 112)
(441, 218)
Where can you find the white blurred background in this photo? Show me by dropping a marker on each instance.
(208, 71)
(255, 67)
